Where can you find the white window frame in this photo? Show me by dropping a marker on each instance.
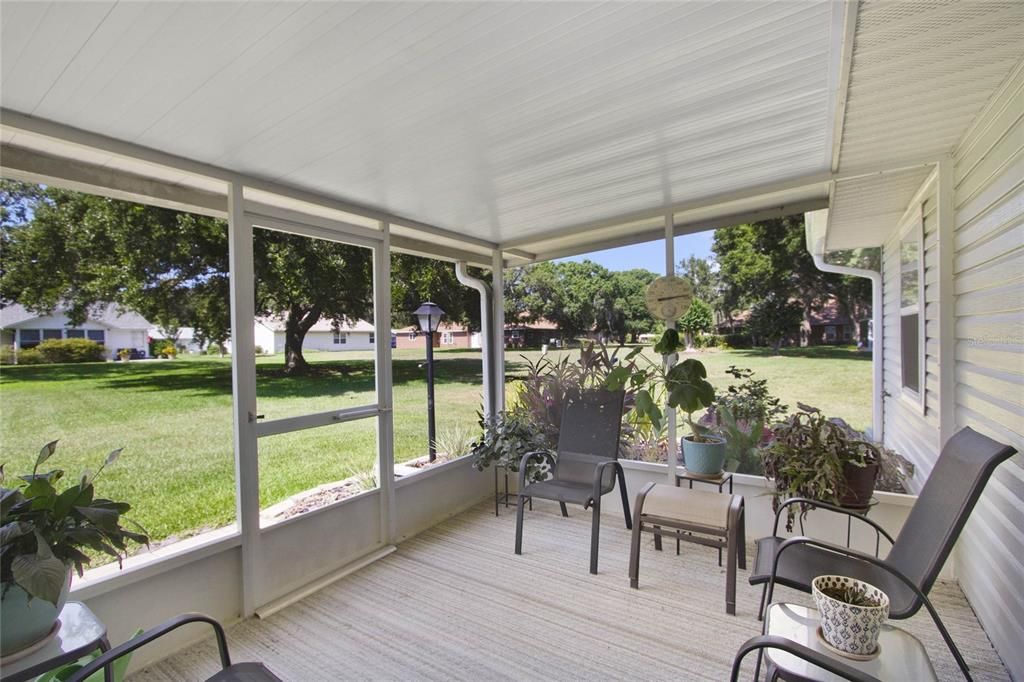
(913, 230)
(447, 338)
(340, 337)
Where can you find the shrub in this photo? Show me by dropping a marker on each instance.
(163, 348)
(260, 351)
(70, 350)
(708, 341)
(25, 356)
(738, 341)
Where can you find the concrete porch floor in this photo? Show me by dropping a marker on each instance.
(455, 603)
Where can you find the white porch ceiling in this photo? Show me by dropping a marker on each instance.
(500, 121)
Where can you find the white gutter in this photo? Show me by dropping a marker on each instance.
(462, 273)
(816, 227)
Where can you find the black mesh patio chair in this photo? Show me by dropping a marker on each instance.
(230, 672)
(918, 553)
(586, 465)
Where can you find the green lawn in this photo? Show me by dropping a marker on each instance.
(173, 418)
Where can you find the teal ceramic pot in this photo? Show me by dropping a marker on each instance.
(706, 459)
(24, 621)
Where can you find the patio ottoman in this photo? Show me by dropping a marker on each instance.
(702, 517)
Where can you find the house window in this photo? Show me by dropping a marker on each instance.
(912, 309)
(97, 335)
(340, 338)
(51, 334)
(30, 338)
(373, 338)
(830, 333)
(412, 335)
(75, 333)
(447, 338)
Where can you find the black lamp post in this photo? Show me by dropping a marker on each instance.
(430, 318)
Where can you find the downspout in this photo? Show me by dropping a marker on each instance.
(818, 221)
(486, 333)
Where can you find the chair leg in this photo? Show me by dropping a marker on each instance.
(595, 535)
(625, 498)
(742, 539)
(519, 525)
(634, 544)
(565, 512)
(730, 567)
(760, 609)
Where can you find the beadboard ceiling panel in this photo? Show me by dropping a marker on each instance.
(497, 120)
(866, 210)
(921, 72)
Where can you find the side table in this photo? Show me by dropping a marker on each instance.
(720, 480)
(901, 656)
(79, 633)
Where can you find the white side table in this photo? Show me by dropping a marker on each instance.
(80, 632)
(901, 656)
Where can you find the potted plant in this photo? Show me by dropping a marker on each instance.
(43, 534)
(683, 387)
(814, 457)
(505, 439)
(852, 613)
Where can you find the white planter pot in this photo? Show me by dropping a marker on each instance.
(850, 629)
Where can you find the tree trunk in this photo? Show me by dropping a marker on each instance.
(689, 340)
(777, 345)
(298, 323)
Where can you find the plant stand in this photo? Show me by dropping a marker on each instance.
(79, 632)
(503, 496)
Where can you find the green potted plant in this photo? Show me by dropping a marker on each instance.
(44, 531)
(814, 457)
(504, 441)
(682, 387)
(852, 614)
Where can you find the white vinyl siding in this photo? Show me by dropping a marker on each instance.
(911, 427)
(989, 318)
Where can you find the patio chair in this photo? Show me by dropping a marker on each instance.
(586, 465)
(230, 672)
(918, 553)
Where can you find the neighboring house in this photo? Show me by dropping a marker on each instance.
(106, 324)
(184, 341)
(448, 336)
(829, 326)
(325, 335)
(532, 334)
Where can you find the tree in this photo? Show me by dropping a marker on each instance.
(415, 279)
(773, 318)
(698, 319)
(78, 250)
(704, 278)
(769, 258)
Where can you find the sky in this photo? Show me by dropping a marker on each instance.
(650, 255)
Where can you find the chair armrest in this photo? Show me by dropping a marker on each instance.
(818, 504)
(832, 665)
(889, 568)
(599, 474)
(538, 454)
(150, 635)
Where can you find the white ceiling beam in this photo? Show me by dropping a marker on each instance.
(19, 122)
(705, 202)
(417, 247)
(28, 165)
(689, 228)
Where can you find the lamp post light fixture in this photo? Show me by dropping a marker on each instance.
(429, 315)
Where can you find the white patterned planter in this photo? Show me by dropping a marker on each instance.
(848, 628)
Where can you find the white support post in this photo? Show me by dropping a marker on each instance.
(498, 336)
(385, 401)
(947, 302)
(670, 360)
(243, 383)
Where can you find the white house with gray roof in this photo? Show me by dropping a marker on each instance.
(106, 324)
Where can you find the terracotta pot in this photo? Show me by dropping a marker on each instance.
(860, 485)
